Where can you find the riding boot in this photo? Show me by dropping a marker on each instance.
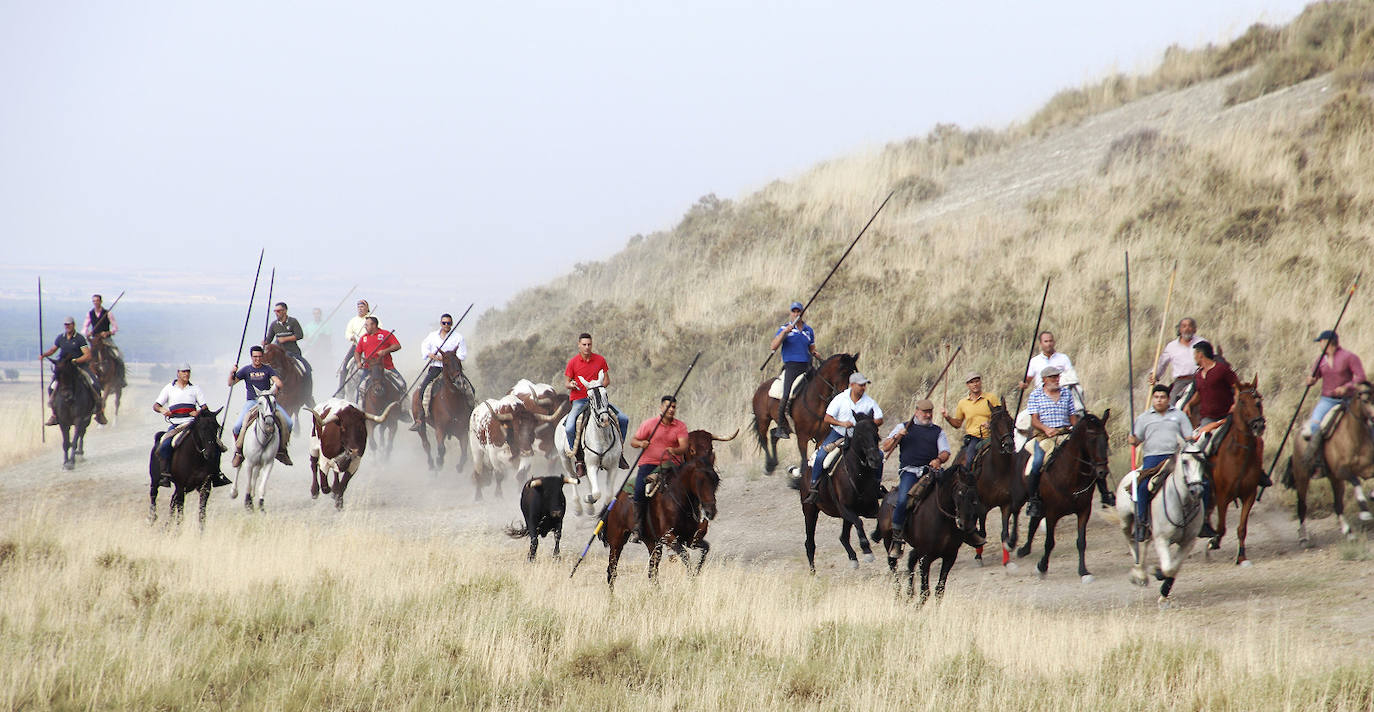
(164, 471)
(1206, 532)
(624, 465)
(282, 455)
(417, 406)
(1034, 506)
(1107, 496)
(782, 431)
(1142, 530)
(52, 420)
(641, 532)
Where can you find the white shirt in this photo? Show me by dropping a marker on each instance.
(356, 328)
(430, 346)
(1040, 362)
(843, 407)
(1179, 358)
(174, 396)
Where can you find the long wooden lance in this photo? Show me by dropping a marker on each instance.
(267, 320)
(836, 267)
(116, 301)
(452, 330)
(1316, 368)
(943, 371)
(42, 387)
(1163, 321)
(1130, 368)
(606, 511)
(242, 336)
(1035, 336)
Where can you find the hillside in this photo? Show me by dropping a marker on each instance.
(1246, 163)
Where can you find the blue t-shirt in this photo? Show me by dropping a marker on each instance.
(796, 346)
(69, 348)
(256, 379)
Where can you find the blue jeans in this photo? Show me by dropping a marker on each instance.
(164, 446)
(1324, 406)
(570, 429)
(253, 404)
(906, 479)
(971, 447)
(1037, 458)
(819, 465)
(1142, 487)
(640, 475)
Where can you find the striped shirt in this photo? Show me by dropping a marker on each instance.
(1053, 413)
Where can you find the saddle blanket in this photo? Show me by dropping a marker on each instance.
(651, 483)
(1048, 445)
(775, 389)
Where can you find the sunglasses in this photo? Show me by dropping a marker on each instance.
(445, 323)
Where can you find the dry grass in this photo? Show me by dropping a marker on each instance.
(267, 614)
(20, 417)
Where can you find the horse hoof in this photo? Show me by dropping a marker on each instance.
(979, 561)
(1164, 603)
(854, 563)
(1366, 516)
(1245, 564)
(69, 465)
(1088, 578)
(1138, 578)
(868, 558)
(1011, 566)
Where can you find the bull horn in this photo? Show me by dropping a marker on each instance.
(505, 417)
(319, 425)
(726, 440)
(535, 483)
(567, 480)
(379, 418)
(550, 418)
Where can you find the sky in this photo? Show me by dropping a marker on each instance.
(444, 153)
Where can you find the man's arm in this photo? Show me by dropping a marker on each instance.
(276, 382)
(890, 442)
(85, 355)
(114, 327)
(233, 376)
(777, 339)
(162, 398)
(86, 326)
(1073, 420)
(681, 448)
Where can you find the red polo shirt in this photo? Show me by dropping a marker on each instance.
(1215, 391)
(590, 369)
(377, 341)
(666, 437)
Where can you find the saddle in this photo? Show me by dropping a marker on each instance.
(1156, 476)
(578, 429)
(392, 377)
(283, 432)
(1214, 438)
(1049, 445)
(832, 457)
(1315, 454)
(775, 388)
(177, 434)
(462, 384)
(653, 482)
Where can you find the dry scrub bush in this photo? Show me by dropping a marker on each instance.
(1327, 35)
(104, 614)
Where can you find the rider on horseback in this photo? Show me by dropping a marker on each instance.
(100, 323)
(178, 401)
(257, 378)
(354, 330)
(1052, 415)
(588, 366)
(669, 443)
(839, 415)
(924, 450)
(376, 344)
(1341, 374)
(972, 414)
(286, 332)
(1158, 429)
(1178, 358)
(798, 344)
(70, 344)
(433, 347)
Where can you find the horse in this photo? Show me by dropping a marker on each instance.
(378, 393)
(195, 460)
(935, 527)
(1347, 457)
(853, 490)
(259, 453)
(601, 448)
(450, 409)
(109, 371)
(1236, 464)
(1175, 518)
(73, 405)
(680, 512)
(807, 408)
(1067, 481)
(296, 391)
(1000, 483)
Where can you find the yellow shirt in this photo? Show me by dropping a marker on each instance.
(976, 414)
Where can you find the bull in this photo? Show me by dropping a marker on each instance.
(337, 443)
(542, 503)
(541, 398)
(501, 435)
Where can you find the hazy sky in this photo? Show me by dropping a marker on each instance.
(472, 149)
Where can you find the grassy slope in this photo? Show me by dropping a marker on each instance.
(1267, 203)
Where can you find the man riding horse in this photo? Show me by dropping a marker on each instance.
(924, 450)
(1052, 416)
(1158, 430)
(100, 324)
(972, 414)
(286, 332)
(668, 443)
(798, 343)
(72, 345)
(354, 330)
(1177, 357)
(839, 415)
(375, 347)
(587, 367)
(259, 378)
(1341, 373)
(1214, 397)
(433, 348)
(179, 401)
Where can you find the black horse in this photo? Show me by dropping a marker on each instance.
(935, 528)
(195, 461)
(73, 404)
(851, 491)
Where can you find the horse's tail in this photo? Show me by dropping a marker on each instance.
(515, 532)
(1287, 477)
(761, 434)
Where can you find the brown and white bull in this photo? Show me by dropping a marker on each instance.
(337, 443)
(542, 399)
(501, 436)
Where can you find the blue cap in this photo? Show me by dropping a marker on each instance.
(1327, 335)
(797, 306)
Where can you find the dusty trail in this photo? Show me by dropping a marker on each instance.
(759, 524)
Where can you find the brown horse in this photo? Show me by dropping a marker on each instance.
(679, 514)
(109, 371)
(374, 396)
(1000, 483)
(1347, 456)
(195, 460)
(935, 528)
(807, 409)
(296, 390)
(1066, 486)
(853, 490)
(450, 409)
(1236, 464)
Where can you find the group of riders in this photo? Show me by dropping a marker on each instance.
(76, 347)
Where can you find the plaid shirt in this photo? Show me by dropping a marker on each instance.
(1053, 414)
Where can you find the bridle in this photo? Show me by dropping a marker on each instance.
(1098, 463)
(1194, 490)
(601, 416)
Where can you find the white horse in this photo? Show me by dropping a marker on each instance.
(259, 452)
(601, 448)
(1175, 518)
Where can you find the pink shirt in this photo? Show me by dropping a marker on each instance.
(578, 369)
(1342, 368)
(666, 437)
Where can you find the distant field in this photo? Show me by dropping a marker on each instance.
(21, 414)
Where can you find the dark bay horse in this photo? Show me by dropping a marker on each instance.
(679, 514)
(1347, 457)
(377, 393)
(1000, 483)
(1236, 464)
(450, 409)
(852, 490)
(935, 528)
(807, 409)
(195, 460)
(109, 371)
(73, 405)
(297, 387)
(1067, 484)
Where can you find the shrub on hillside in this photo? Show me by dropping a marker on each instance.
(1137, 147)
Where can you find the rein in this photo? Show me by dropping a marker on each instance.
(1188, 512)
